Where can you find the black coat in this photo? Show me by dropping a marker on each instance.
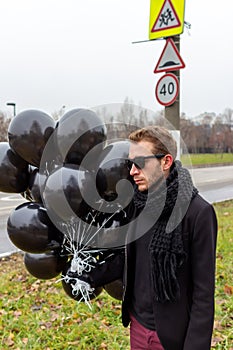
(188, 323)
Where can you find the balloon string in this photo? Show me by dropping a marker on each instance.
(83, 259)
(85, 245)
(82, 263)
(85, 233)
(67, 242)
(79, 287)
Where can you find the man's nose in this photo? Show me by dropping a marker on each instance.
(134, 170)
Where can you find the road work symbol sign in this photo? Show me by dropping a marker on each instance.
(170, 59)
(166, 18)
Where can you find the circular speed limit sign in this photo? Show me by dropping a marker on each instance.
(167, 89)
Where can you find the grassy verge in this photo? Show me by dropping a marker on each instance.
(207, 158)
(37, 314)
(223, 332)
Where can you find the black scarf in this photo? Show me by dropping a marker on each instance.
(169, 204)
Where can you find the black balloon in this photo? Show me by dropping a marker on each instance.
(79, 131)
(28, 133)
(63, 192)
(30, 229)
(111, 170)
(46, 265)
(115, 289)
(14, 175)
(36, 185)
(67, 286)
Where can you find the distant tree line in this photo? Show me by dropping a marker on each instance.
(208, 134)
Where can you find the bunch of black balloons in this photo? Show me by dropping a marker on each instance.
(75, 185)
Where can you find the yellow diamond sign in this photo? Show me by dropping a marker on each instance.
(166, 18)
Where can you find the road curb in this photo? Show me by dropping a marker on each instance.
(6, 254)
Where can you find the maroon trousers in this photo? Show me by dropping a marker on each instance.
(142, 338)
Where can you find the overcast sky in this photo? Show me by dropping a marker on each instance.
(78, 53)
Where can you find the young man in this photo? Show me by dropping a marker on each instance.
(169, 263)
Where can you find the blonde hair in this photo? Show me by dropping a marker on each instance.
(159, 136)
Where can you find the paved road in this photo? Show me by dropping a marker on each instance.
(7, 203)
(215, 185)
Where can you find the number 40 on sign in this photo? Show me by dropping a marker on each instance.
(167, 89)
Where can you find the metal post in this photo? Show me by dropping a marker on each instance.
(172, 112)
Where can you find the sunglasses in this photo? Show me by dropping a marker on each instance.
(139, 162)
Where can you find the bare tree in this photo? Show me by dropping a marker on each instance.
(188, 133)
(228, 116)
(56, 115)
(4, 124)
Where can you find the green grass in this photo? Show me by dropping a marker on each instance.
(36, 314)
(207, 158)
(223, 333)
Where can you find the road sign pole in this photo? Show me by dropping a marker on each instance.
(172, 112)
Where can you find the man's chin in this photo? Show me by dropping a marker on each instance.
(142, 188)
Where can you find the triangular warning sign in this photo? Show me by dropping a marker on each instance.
(170, 59)
(167, 18)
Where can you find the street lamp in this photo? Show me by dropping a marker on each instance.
(13, 105)
(62, 110)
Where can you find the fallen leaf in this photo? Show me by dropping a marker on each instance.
(217, 325)
(2, 312)
(17, 314)
(228, 289)
(9, 341)
(25, 340)
(215, 341)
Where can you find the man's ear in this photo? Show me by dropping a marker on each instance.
(167, 162)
